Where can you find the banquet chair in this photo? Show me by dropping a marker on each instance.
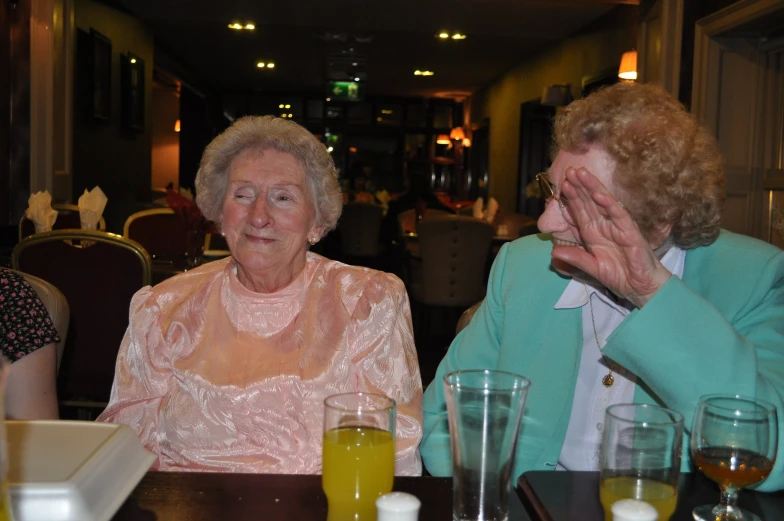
(160, 231)
(360, 230)
(516, 224)
(57, 306)
(98, 273)
(454, 251)
(67, 219)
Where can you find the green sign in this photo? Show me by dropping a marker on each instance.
(346, 90)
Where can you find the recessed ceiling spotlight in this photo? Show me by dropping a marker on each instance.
(270, 65)
(287, 106)
(261, 65)
(265, 65)
(356, 79)
(236, 26)
(280, 106)
(133, 60)
(423, 73)
(443, 35)
(458, 36)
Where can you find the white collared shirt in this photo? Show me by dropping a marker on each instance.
(583, 440)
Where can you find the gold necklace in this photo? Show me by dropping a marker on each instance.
(608, 379)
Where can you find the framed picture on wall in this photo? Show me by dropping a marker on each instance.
(100, 66)
(132, 79)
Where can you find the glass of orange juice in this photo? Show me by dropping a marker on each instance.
(641, 457)
(358, 454)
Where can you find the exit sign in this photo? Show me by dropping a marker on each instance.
(346, 90)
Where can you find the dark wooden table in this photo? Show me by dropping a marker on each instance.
(574, 496)
(197, 496)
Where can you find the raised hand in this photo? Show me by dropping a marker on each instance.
(616, 253)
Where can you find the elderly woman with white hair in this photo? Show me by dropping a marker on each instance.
(226, 367)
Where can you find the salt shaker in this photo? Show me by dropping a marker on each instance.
(633, 510)
(398, 506)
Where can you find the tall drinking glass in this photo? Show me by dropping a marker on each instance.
(358, 455)
(641, 457)
(5, 504)
(733, 442)
(485, 409)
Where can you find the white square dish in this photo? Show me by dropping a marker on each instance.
(72, 470)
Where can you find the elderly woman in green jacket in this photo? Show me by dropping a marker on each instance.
(633, 293)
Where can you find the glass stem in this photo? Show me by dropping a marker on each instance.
(729, 499)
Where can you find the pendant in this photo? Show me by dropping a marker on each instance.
(608, 380)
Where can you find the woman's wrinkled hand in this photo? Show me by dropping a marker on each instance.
(616, 253)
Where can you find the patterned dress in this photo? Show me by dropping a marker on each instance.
(25, 324)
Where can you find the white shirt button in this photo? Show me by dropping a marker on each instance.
(599, 426)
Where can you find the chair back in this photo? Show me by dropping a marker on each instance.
(466, 316)
(57, 306)
(516, 224)
(160, 231)
(67, 219)
(98, 273)
(360, 230)
(454, 252)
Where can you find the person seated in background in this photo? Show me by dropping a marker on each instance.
(28, 340)
(633, 293)
(360, 194)
(419, 197)
(226, 367)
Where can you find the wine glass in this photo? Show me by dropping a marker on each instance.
(733, 442)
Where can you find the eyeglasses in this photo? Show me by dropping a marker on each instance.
(548, 192)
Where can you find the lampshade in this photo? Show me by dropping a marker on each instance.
(467, 142)
(557, 95)
(457, 134)
(628, 68)
(443, 139)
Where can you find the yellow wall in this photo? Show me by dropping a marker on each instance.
(595, 49)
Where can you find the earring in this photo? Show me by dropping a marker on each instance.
(312, 241)
(223, 234)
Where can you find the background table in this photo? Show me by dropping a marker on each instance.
(574, 496)
(197, 496)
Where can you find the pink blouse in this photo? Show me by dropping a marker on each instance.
(215, 377)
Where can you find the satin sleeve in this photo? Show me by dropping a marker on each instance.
(384, 354)
(141, 374)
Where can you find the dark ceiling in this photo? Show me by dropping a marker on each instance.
(387, 40)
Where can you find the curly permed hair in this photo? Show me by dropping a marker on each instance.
(264, 133)
(668, 167)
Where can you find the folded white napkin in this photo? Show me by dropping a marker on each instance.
(91, 206)
(40, 211)
(479, 208)
(186, 193)
(492, 209)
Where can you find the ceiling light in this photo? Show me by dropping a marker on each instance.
(287, 106)
(443, 139)
(291, 115)
(280, 106)
(133, 60)
(417, 73)
(443, 35)
(423, 73)
(329, 99)
(270, 65)
(329, 149)
(235, 26)
(356, 79)
(261, 65)
(458, 36)
(250, 27)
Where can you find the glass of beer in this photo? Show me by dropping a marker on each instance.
(733, 442)
(358, 455)
(641, 457)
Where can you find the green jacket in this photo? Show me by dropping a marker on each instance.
(719, 330)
